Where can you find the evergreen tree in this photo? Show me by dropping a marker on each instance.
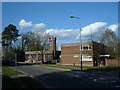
(9, 36)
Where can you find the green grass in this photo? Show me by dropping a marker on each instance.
(108, 68)
(76, 67)
(19, 82)
(10, 71)
(59, 67)
(71, 66)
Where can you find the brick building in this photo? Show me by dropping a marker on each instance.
(90, 53)
(46, 56)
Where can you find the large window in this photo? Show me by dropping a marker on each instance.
(86, 47)
(86, 58)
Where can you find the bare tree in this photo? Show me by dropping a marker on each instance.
(110, 39)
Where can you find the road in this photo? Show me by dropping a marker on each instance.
(0, 74)
(56, 78)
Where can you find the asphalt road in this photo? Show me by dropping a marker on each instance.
(0, 81)
(56, 78)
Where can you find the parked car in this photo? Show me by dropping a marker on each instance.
(8, 61)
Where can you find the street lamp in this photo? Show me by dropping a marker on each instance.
(80, 42)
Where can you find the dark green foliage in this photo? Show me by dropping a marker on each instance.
(9, 36)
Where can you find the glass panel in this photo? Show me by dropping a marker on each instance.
(87, 58)
(90, 47)
(85, 47)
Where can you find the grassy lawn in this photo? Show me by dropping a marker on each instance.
(108, 68)
(59, 67)
(77, 67)
(19, 82)
(71, 66)
(10, 71)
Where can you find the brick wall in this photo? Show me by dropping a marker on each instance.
(52, 43)
(112, 62)
(69, 60)
(74, 60)
(73, 50)
(69, 51)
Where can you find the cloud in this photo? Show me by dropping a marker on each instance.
(23, 24)
(59, 48)
(68, 34)
(113, 27)
(38, 27)
(93, 28)
(63, 34)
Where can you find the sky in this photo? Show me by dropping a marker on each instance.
(60, 0)
(54, 18)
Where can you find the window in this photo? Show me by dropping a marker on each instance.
(86, 47)
(90, 47)
(87, 58)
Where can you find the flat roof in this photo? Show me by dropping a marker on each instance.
(76, 44)
(38, 52)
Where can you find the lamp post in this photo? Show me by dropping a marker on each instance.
(80, 43)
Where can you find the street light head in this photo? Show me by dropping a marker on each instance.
(72, 17)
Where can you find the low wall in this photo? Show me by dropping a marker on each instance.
(112, 62)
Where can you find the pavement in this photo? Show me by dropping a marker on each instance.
(59, 78)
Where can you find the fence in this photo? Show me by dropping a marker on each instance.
(112, 62)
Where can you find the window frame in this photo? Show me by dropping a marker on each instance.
(88, 46)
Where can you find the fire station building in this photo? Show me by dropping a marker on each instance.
(46, 56)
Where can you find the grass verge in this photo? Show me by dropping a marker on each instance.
(108, 68)
(102, 68)
(18, 82)
(77, 66)
(71, 66)
(59, 67)
(10, 71)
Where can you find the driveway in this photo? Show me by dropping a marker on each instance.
(57, 78)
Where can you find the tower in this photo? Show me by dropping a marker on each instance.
(52, 43)
(53, 46)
